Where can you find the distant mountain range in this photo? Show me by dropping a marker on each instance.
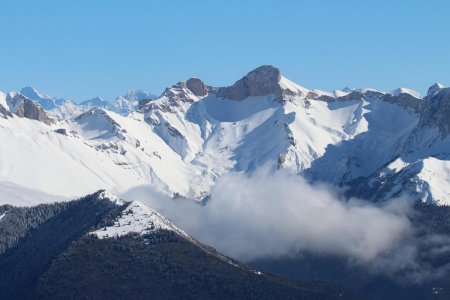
(381, 144)
(65, 108)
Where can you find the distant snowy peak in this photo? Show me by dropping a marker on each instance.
(136, 95)
(410, 92)
(67, 109)
(33, 94)
(44, 100)
(129, 102)
(97, 101)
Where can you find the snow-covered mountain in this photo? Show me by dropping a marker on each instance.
(130, 101)
(95, 102)
(186, 139)
(44, 100)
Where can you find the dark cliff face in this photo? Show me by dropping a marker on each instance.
(262, 81)
(435, 111)
(32, 110)
(196, 86)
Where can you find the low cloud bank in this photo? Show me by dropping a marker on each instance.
(269, 215)
(272, 215)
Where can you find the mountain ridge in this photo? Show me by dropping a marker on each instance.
(188, 138)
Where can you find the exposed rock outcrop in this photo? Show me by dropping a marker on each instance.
(32, 110)
(196, 86)
(62, 131)
(188, 91)
(262, 81)
(26, 108)
(435, 110)
(404, 100)
(434, 89)
(4, 113)
(143, 102)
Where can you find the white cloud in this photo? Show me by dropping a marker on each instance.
(274, 215)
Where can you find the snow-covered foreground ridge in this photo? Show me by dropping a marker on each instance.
(135, 218)
(380, 144)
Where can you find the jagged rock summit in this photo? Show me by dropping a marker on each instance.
(263, 81)
(260, 82)
(436, 109)
(26, 108)
(434, 89)
(196, 86)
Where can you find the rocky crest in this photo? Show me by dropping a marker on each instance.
(434, 89)
(32, 110)
(262, 81)
(187, 91)
(404, 100)
(436, 109)
(26, 108)
(196, 86)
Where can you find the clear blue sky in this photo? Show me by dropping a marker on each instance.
(84, 48)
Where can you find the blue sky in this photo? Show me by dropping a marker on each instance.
(81, 49)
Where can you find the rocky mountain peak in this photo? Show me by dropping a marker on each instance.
(27, 108)
(435, 88)
(264, 75)
(436, 109)
(187, 91)
(196, 86)
(262, 81)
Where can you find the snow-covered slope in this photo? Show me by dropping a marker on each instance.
(185, 140)
(138, 218)
(96, 152)
(67, 109)
(3, 100)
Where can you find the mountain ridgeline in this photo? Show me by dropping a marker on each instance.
(380, 144)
